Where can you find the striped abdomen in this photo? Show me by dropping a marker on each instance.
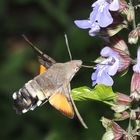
(31, 95)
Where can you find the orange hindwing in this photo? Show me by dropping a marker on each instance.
(61, 103)
(42, 69)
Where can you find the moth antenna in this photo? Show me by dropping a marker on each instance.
(32, 45)
(43, 55)
(68, 48)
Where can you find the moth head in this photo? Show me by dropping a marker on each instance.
(75, 65)
(72, 67)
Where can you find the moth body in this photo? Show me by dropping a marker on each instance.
(43, 87)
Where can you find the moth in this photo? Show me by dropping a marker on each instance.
(52, 85)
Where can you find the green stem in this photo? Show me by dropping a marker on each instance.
(129, 127)
(134, 20)
(134, 27)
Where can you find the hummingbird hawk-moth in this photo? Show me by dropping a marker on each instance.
(53, 85)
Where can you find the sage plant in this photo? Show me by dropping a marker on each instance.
(106, 20)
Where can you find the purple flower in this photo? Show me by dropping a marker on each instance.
(99, 17)
(136, 67)
(106, 68)
(101, 12)
(135, 81)
(85, 24)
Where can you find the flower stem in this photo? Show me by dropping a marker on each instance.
(134, 20)
(129, 127)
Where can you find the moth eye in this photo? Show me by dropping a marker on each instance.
(76, 69)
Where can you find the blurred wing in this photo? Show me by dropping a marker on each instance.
(60, 101)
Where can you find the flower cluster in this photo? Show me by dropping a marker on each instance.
(135, 82)
(100, 17)
(106, 20)
(114, 60)
(106, 68)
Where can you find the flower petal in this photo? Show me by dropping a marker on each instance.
(114, 6)
(94, 13)
(138, 55)
(94, 30)
(106, 51)
(94, 77)
(112, 70)
(105, 18)
(95, 3)
(84, 24)
(135, 82)
(136, 67)
(104, 79)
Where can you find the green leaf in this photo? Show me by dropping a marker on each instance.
(99, 93)
(81, 93)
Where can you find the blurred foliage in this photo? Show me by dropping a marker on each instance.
(45, 22)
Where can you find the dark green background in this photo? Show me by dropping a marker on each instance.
(45, 22)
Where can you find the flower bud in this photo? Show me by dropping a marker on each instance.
(138, 115)
(117, 131)
(130, 14)
(119, 108)
(123, 99)
(133, 37)
(133, 115)
(135, 86)
(121, 116)
(138, 29)
(123, 7)
(113, 130)
(106, 122)
(114, 29)
(108, 135)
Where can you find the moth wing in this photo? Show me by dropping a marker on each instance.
(42, 69)
(61, 102)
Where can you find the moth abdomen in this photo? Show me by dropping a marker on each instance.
(23, 102)
(28, 97)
